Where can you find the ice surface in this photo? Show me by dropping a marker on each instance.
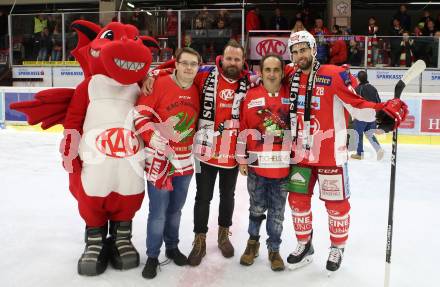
(42, 233)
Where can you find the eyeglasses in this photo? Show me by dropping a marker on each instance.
(191, 65)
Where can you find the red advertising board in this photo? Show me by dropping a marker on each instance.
(409, 122)
(260, 46)
(430, 121)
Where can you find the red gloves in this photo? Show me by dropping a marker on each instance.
(391, 114)
(69, 151)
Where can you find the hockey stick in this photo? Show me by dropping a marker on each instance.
(416, 69)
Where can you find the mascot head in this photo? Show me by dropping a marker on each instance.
(117, 51)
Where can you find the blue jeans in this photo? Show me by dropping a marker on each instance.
(42, 54)
(368, 128)
(165, 210)
(267, 194)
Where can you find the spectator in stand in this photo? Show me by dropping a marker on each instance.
(338, 48)
(57, 44)
(45, 45)
(71, 42)
(319, 32)
(403, 17)
(198, 40)
(306, 18)
(396, 33)
(278, 21)
(51, 22)
(418, 42)
(253, 20)
(429, 29)
(373, 46)
(40, 22)
(223, 15)
(407, 50)
(417, 31)
(171, 33)
(222, 38)
(425, 18)
(206, 18)
(429, 32)
(299, 26)
(298, 16)
(354, 54)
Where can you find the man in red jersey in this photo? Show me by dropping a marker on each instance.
(321, 97)
(264, 157)
(221, 88)
(167, 122)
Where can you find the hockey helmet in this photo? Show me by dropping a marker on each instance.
(301, 37)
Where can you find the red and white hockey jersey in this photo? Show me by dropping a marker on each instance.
(333, 98)
(174, 111)
(264, 120)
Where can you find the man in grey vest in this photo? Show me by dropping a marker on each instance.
(368, 92)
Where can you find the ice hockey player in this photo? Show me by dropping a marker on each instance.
(321, 97)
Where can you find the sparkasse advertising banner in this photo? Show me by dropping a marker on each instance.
(67, 76)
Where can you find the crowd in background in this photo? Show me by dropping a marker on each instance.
(405, 45)
(208, 31)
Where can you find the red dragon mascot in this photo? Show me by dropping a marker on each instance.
(100, 149)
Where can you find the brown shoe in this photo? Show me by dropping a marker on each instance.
(356, 156)
(223, 242)
(380, 153)
(276, 262)
(250, 253)
(199, 249)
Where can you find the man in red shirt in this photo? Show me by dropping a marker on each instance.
(253, 20)
(338, 48)
(167, 120)
(264, 157)
(321, 97)
(320, 32)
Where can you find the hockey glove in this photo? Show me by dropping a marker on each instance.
(391, 114)
(158, 142)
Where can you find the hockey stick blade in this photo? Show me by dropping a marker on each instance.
(416, 69)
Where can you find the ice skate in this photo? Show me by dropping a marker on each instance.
(302, 255)
(334, 259)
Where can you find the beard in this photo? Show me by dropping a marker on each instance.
(306, 65)
(231, 72)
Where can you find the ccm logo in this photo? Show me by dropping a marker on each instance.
(118, 143)
(328, 170)
(271, 46)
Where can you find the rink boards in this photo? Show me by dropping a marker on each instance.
(422, 125)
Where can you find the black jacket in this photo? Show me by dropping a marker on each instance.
(368, 92)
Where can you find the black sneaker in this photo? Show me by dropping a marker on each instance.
(177, 256)
(150, 269)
